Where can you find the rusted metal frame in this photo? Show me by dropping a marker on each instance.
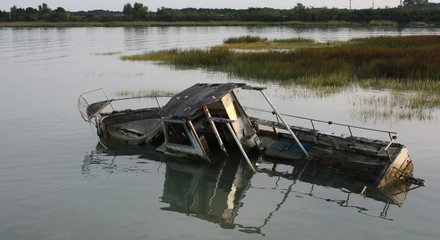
(403, 172)
(85, 100)
(84, 115)
(228, 123)
(96, 123)
(214, 128)
(156, 97)
(414, 180)
(91, 91)
(108, 99)
(406, 167)
(99, 111)
(90, 120)
(387, 148)
(392, 138)
(389, 144)
(128, 98)
(285, 124)
(198, 140)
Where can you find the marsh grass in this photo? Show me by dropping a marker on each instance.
(244, 39)
(427, 86)
(107, 53)
(397, 63)
(383, 23)
(257, 43)
(144, 92)
(374, 58)
(397, 42)
(397, 105)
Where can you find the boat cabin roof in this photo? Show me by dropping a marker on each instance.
(185, 104)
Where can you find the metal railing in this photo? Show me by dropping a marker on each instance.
(83, 103)
(392, 135)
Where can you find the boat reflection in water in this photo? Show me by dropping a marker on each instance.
(210, 193)
(216, 193)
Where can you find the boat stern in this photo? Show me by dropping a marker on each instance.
(399, 169)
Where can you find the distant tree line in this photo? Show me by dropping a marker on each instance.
(411, 11)
(43, 13)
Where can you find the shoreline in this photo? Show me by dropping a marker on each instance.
(335, 24)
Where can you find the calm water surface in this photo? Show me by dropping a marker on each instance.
(57, 183)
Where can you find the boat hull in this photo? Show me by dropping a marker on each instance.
(130, 127)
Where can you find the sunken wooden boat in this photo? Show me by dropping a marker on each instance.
(206, 122)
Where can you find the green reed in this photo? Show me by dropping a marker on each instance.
(144, 92)
(384, 57)
(107, 53)
(257, 43)
(398, 105)
(397, 42)
(398, 63)
(245, 39)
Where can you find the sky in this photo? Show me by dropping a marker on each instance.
(117, 5)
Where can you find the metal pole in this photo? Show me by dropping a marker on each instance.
(214, 128)
(351, 133)
(240, 147)
(157, 100)
(313, 125)
(285, 124)
(108, 99)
